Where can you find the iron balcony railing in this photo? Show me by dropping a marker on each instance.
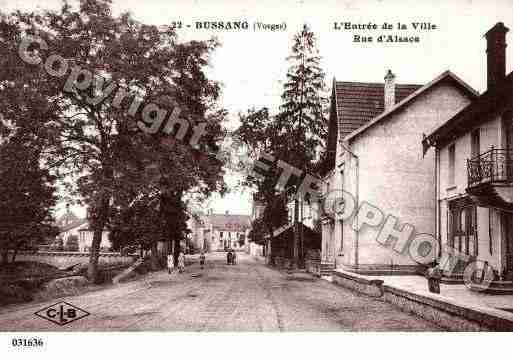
(495, 165)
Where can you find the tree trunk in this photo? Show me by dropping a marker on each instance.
(176, 250)
(296, 239)
(154, 259)
(98, 224)
(5, 256)
(92, 269)
(269, 251)
(171, 207)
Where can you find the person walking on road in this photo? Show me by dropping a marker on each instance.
(434, 275)
(170, 263)
(229, 257)
(181, 262)
(234, 257)
(202, 259)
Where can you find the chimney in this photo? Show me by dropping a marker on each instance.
(389, 90)
(496, 54)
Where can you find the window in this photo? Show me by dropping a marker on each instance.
(475, 142)
(452, 160)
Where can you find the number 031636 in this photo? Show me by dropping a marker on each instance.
(27, 342)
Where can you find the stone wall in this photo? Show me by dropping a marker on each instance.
(67, 259)
(443, 311)
(448, 313)
(370, 287)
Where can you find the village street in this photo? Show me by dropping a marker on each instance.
(247, 296)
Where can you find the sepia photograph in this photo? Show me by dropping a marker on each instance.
(254, 167)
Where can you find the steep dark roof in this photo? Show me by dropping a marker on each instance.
(359, 102)
(353, 104)
(475, 113)
(446, 76)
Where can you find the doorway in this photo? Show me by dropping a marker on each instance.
(463, 233)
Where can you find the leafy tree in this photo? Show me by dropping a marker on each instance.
(87, 137)
(26, 198)
(296, 135)
(259, 134)
(138, 223)
(258, 230)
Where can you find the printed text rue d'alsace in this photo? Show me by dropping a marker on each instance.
(403, 34)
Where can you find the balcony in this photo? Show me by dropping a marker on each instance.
(490, 179)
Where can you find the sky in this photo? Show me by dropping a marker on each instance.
(251, 64)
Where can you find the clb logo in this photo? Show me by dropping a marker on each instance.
(62, 313)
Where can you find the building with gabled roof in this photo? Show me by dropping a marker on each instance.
(353, 104)
(378, 160)
(228, 222)
(71, 226)
(473, 156)
(219, 232)
(67, 219)
(357, 103)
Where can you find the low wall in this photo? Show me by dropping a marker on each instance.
(448, 313)
(370, 287)
(385, 269)
(443, 311)
(67, 259)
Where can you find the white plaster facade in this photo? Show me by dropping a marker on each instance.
(489, 240)
(382, 163)
(85, 237)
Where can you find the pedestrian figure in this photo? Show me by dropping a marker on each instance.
(229, 257)
(181, 262)
(170, 263)
(234, 257)
(202, 259)
(434, 275)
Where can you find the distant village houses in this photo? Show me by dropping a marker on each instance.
(219, 232)
(76, 234)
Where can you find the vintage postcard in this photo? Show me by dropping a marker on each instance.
(235, 167)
